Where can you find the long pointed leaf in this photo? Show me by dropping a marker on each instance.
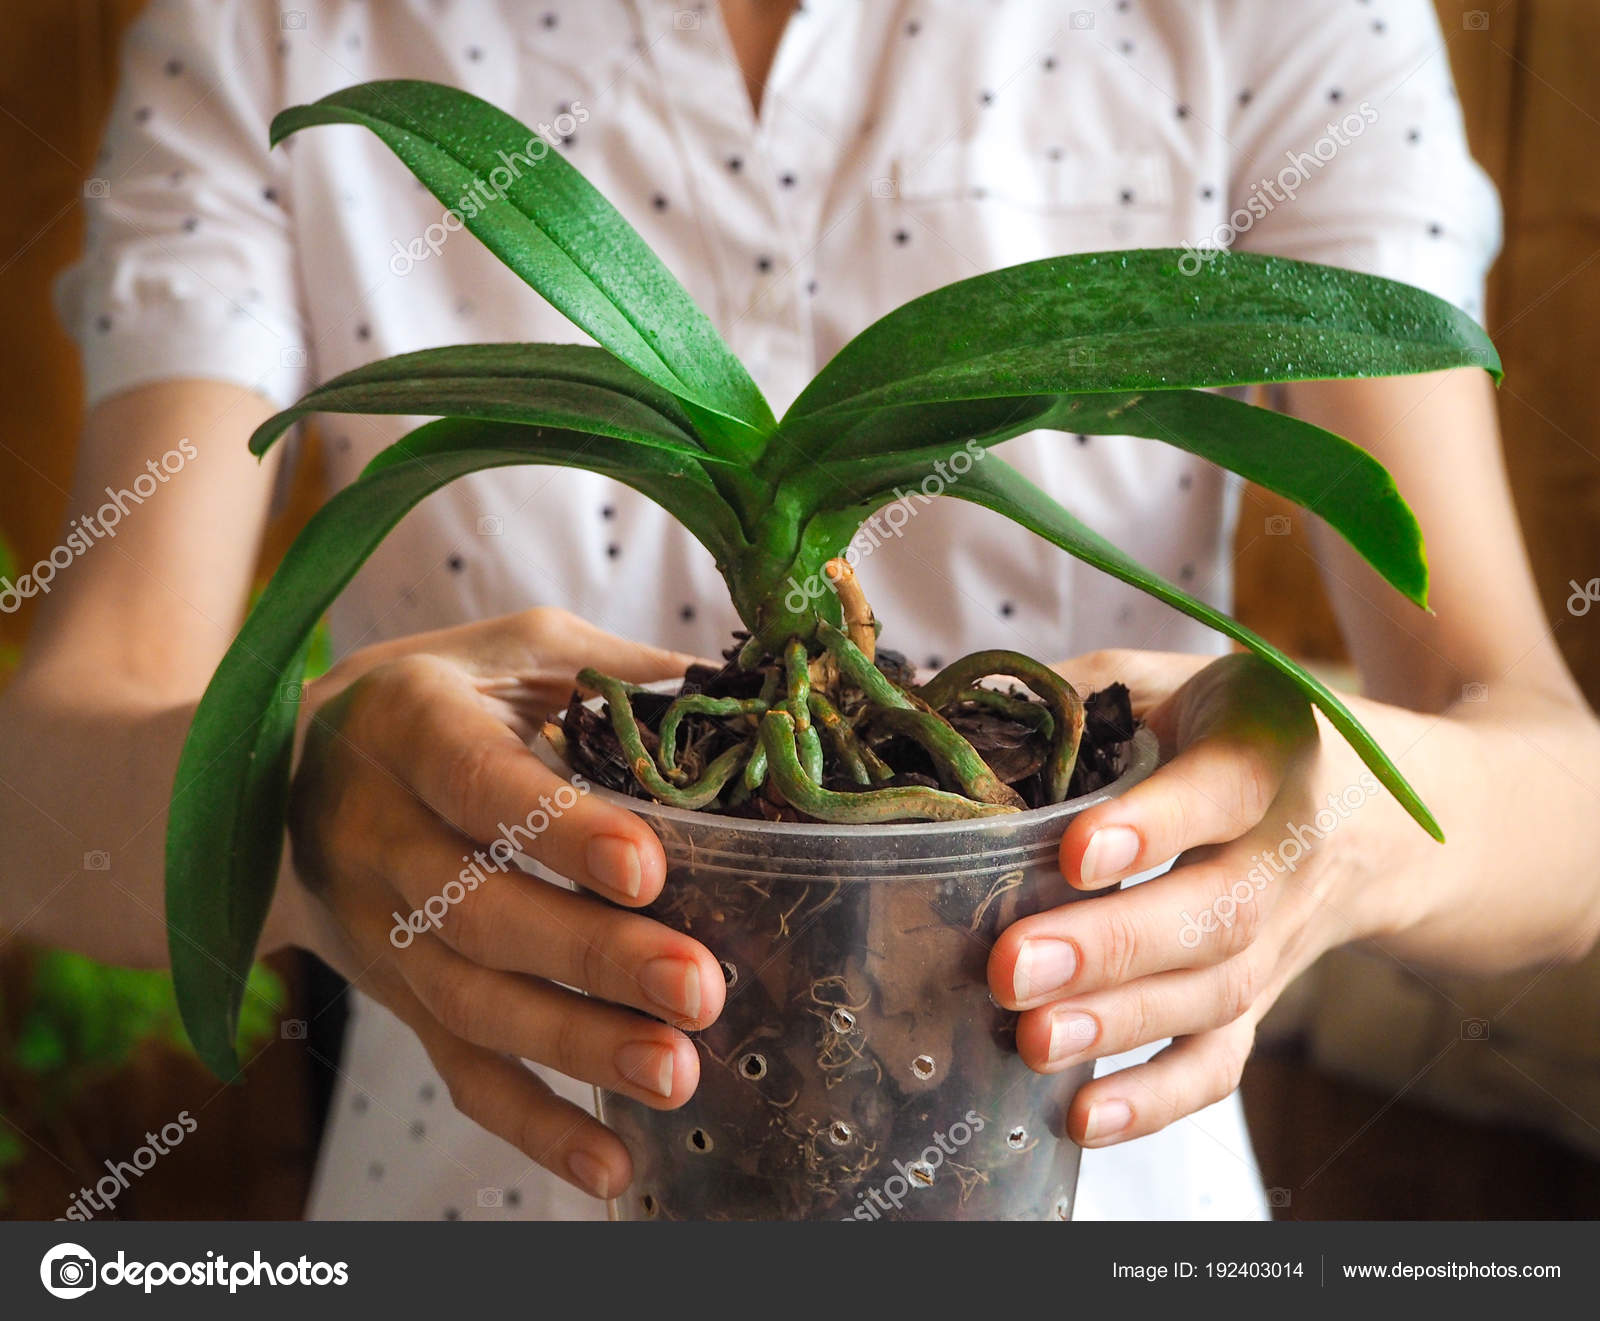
(572, 386)
(996, 485)
(1137, 321)
(226, 823)
(1338, 481)
(545, 221)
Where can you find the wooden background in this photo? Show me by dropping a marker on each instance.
(1331, 1147)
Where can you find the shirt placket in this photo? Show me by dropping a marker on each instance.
(756, 186)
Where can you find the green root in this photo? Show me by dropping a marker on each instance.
(1018, 709)
(797, 670)
(872, 807)
(805, 697)
(951, 753)
(874, 684)
(755, 770)
(702, 792)
(849, 749)
(957, 679)
(696, 705)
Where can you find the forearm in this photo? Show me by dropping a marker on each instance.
(84, 780)
(119, 651)
(1511, 779)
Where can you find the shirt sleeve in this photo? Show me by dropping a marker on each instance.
(188, 268)
(1348, 148)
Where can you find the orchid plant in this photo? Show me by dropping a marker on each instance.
(1115, 343)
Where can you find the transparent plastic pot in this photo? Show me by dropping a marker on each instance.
(859, 1069)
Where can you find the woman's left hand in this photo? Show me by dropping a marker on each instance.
(1249, 794)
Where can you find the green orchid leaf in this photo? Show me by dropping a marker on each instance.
(555, 230)
(996, 485)
(1336, 480)
(572, 386)
(1140, 321)
(226, 823)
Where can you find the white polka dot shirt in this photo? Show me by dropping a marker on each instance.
(900, 146)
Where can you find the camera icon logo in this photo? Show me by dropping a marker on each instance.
(292, 357)
(885, 188)
(491, 1197)
(293, 20)
(1475, 20)
(292, 1029)
(1474, 692)
(97, 860)
(97, 187)
(1081, 20)
(1474, 1029)
(291, 692)
(1277, 525)
(1278, 1198)
(490, 525)
(67, 1271)
(686, 20)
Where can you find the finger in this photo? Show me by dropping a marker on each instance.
(504, 1097)
(1169, 1004)
(560, 636)
(1187, 1076)
(532, 1019)
(544, 646)
(510, 921)
(1239, 728)
(468, 767)
(1196, 916)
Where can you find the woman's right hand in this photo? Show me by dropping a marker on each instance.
(414, 763)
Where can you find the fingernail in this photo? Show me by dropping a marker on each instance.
(673, 984)
(1042, 965)
(1107, 1118)
(1111, 852)
(1071, 1033)
(614, 863)
(647, 1065)
(591, 1173)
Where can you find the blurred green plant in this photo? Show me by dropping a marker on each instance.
(79, 1022)
(85, 1019)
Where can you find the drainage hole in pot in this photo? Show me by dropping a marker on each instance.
(700, 1142)
(921, 1172)
(922, 1066)
(840, 1132)
(647, 1203)
(730, 974)
(1016, 1138)
(843, 1020)
(753, 1066)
